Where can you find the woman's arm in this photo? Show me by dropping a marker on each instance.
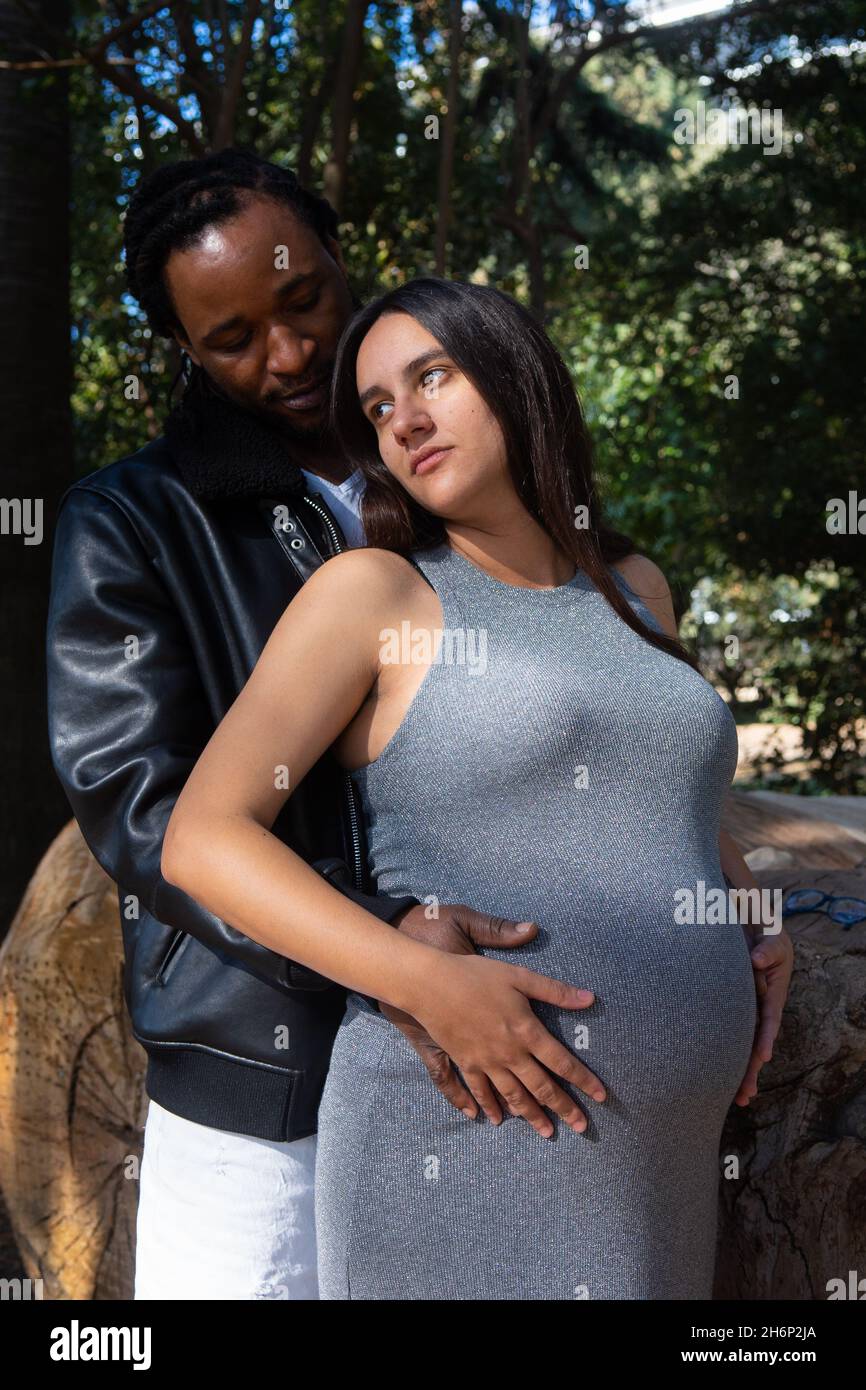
(772, 958)
(314, 673)
(739, 875)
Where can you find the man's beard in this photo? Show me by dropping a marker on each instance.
(316, 435)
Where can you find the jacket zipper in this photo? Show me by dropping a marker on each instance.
(349, 786)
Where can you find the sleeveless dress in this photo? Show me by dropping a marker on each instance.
(553, 767)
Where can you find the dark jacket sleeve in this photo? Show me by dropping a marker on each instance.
(128, 719)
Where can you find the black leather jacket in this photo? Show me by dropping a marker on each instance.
(170, 570)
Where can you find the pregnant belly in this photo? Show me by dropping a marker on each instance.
(675, 1008)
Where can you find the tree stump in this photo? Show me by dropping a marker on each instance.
(795, 1218)
(72, 1101)
(827, 832)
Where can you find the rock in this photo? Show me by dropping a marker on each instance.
(766, 857)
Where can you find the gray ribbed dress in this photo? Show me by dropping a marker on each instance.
(554, 768)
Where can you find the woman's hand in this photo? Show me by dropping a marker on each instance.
(773, 965)
(460, 930)
(477, 1010)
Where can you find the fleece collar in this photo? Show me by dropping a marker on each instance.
(223, 451)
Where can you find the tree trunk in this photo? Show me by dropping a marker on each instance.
(334, 180)
(37, 438)
(522, 189)
(449, 135)
(236, 72)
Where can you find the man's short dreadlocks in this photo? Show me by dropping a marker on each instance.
(174, 205)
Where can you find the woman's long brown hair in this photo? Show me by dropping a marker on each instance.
(514, 366)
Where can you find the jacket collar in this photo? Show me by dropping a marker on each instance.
(223, 451)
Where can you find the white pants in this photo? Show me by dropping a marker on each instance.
(222, 1215)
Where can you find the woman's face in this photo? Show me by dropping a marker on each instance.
(420, 404)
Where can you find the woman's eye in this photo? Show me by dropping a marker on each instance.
(430, 372)
(429, 389)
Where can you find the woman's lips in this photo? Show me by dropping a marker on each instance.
(431, 461)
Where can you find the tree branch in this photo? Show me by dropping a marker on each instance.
(130, 24)
(235, 81)
(196, 71)
(225, 37)
(50, 63)
(115, 71)
(620, 36)
(146, 96)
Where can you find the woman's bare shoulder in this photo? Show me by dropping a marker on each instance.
(370, 559)
(643, 574)
(647, 581)
(366, 569)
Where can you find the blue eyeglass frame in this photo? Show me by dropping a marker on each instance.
(792, 907)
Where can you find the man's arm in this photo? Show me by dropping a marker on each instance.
(128, 718)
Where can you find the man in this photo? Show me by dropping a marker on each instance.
(171, 568)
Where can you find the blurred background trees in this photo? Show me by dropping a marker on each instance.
(708, 299)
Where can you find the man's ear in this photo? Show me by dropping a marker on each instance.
(183, 344)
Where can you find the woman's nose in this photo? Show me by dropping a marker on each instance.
(408, 421)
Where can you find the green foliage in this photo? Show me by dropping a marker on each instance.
(789, 650)
(715, 337)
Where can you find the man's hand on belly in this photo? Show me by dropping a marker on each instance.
(460, 930)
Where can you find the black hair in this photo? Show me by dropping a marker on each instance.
(506, 354)
(172, 207)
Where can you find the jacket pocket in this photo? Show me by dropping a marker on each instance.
(174, 946)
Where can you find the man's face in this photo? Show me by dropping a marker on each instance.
(263, 303)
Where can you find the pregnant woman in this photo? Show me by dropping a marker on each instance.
(502, 676)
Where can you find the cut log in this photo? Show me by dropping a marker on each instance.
(72, 1101)
(823, 831)
(795, 1218)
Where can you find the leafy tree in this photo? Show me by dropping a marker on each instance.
(708, 300)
